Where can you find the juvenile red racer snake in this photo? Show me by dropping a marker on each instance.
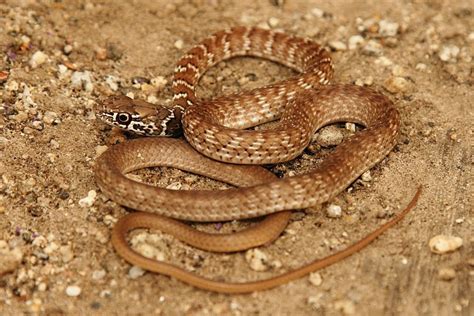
(215, 128)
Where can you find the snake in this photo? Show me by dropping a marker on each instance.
(220, 143)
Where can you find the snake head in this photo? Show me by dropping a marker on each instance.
(139, 117)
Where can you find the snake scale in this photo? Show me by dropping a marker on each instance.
(223, 148)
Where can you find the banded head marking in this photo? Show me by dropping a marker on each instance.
(140, 117)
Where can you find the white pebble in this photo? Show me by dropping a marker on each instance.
(442, 244)
(317, 12)
(446, 274)
(337, 45)
(51, 117)
(256, 259)
(471, 36)
(383, 61)
(38, 58)
(329, 136)
(334, 211)
(366, 176)
(273, 22)
(112, 82)
(89, 200)
(67, 49)
(82, 80)
(372, 48)
(73, 291)
(315, 279)
(347, 307)
(355, 41)
(135, 272)
(421, 67)
(387, 28)
(179, 44)
(449, 53)
(351, 127)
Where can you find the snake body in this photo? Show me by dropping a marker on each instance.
(215, 129)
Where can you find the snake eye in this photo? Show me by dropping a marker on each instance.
(124, 118)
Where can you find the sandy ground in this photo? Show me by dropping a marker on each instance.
(58, 58)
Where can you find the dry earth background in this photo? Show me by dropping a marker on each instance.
(58, 58)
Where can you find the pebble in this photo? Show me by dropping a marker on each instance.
(82, 80)
(112, 82)
(73, 291)
(315, 300)
(383, 61)
(449, 53)
(89, 200)
(273, 22)
(355, 41)
(442, 244)
(179, 44)
(337, 45)
(66, 253)
(256, 259)
(315, 279)
(51, 118)
(351, 127)
(135, 272)
(397, 84)
(333, 211)
(366, 176)
(446, 274)
(372, 48)
(387, 28)
(329, 136)
(38, 59)
(67, 49)
(317, 12)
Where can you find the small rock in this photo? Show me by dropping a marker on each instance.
(112, 82)
(449, 53)
(38, 59)
(383, 61)
(315, 301)
(317, 12)
(101, 53)
(12, 86)
(315, 279)
(372, 48)
(397, 84)
(446, 274)
(38, 125)
(67, 49)
(421, 67)
(329, 136)
(399, 71)
(442, 244)
(73, 291)
(351, 127)
(82, 80)
(256, 259)
(89, 200)
(4, 76)
(67, 253)
(333, 211)
(387, 28)
(135, 272)
(366, 176)
(179, 44)
(355, 41)
(51, 118)
(273, 22)
(337, 45)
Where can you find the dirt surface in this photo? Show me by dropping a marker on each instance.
(58, 58)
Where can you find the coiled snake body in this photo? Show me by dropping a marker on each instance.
(216, 129)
